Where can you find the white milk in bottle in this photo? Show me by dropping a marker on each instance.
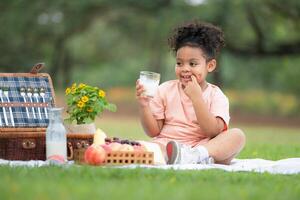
(56, 140)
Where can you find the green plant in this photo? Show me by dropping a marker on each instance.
(85, 103)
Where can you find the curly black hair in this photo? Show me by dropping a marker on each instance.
(206, 36)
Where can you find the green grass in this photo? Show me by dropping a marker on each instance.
(85, 182)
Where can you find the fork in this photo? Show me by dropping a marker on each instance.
(42, 94)
(3, 108)
(36, 95)
(1, 121)
(1, 124)
(5, 92)
(23, 94)
(29, 94)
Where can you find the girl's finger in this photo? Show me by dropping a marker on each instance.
(194, 79)
(138, 86)
(140, 90)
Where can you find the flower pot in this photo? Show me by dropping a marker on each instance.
(81, 128)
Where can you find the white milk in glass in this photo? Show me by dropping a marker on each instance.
(150, 81)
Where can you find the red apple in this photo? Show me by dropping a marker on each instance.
(106, 147)
(126, 147)
(114, 146)
(95, 155)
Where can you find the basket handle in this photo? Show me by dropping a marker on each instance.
(37, 67)
(70, 147)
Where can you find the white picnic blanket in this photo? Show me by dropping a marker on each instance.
(284, 166)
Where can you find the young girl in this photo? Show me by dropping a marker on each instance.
(189, 117)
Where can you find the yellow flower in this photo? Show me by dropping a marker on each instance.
(80, 100)
(73, 90)
(80, 104)
(81, 85)
(101, 93)
(84, 99)
(68, 90)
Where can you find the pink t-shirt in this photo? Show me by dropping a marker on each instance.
(180, 122)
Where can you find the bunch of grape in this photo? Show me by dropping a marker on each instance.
(121, 141)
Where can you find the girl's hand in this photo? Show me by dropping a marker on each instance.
(193, 89)
(143, 100)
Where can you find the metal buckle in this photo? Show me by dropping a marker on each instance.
(28, 144)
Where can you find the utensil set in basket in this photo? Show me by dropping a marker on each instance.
(33, 99)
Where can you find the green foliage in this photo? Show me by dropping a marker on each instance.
(263, 103)
(85, 103)
(272, 74)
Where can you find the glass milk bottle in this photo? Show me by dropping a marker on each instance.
(56, 139)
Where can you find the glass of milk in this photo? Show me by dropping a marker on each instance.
(150, 81)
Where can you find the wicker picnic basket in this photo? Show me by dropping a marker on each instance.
(24, 120)
(119, 157)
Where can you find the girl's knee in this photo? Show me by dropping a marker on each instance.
(238, 134)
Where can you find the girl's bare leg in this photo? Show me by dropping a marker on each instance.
(225, 146)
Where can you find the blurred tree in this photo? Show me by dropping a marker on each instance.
(258, 33)
(40, 30)
(274, 24)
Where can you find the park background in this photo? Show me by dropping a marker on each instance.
(106, 43)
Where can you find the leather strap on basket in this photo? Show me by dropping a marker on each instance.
(70, 147)
(79, 145)
(37, 67)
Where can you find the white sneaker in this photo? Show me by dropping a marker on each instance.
(182, 154)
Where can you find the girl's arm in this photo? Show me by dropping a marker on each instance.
(150, 125)
(210, 124)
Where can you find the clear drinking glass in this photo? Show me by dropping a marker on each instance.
(56, 139)
(150, 81)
